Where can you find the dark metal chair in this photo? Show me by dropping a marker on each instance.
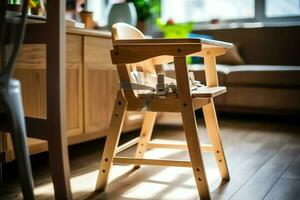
(12, 28)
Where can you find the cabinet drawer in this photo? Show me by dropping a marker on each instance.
(74, 52)
(97, 52)
(32, 56)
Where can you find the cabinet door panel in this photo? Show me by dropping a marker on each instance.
(33, 85)
(100, 90)
(101, 83)
(74, 99)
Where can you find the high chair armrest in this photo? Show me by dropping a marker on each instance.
(175, 41)
(134, 53)
(156, 41)
(137, 50)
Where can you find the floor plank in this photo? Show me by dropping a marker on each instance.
(260, 184)
(285, 189)
(293, 172)
(246, 169)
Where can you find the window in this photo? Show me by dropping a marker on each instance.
(230, 10)
(206, 10)
(282, 8)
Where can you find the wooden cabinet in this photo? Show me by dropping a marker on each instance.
(100, 83)
(91, 85)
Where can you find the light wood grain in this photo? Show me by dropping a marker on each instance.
(99, 87)
(190, 127)
(112, 140)
(122, 54)
(74, 48)
(35, 146)
(153, 145)
(33, 85)
(91, 83)
(145, 134)
(74, 104)
(213, 131)
(96, 51)
(32, 56)
(101, 80)
(89, 32)
(159, 162)
(128, 144)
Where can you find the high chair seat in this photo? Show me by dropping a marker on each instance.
(150, 80)
(201, 92)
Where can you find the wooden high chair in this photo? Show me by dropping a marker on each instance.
(131, 51)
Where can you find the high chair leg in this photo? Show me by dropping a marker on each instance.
(193, 143)
(145, 135)
(213, 130)
(190, 127)
(112, 140)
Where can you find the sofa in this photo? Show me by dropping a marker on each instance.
(268, 80)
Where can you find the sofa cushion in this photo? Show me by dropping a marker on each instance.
(231, 57)
(263, 75)
(264, 98)
(253, 75)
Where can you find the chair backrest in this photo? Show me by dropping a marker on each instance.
(137, 72)
(123, 31)
(12, 29)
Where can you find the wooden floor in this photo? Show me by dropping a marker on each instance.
(263, 157)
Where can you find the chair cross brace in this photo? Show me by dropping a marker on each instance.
(207, 148)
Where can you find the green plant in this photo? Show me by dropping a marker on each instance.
(15, 2)
(146, 8)
(34, 3)
(171, 29)
(31, 3)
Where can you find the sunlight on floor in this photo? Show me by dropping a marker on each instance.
(148, 182)
(145, 191)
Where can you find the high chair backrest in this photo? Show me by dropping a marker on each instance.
(122, 31)
(125, 31)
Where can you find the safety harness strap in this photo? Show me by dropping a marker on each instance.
(161, 89)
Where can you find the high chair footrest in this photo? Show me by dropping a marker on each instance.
(158, 162)
(153, 145)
